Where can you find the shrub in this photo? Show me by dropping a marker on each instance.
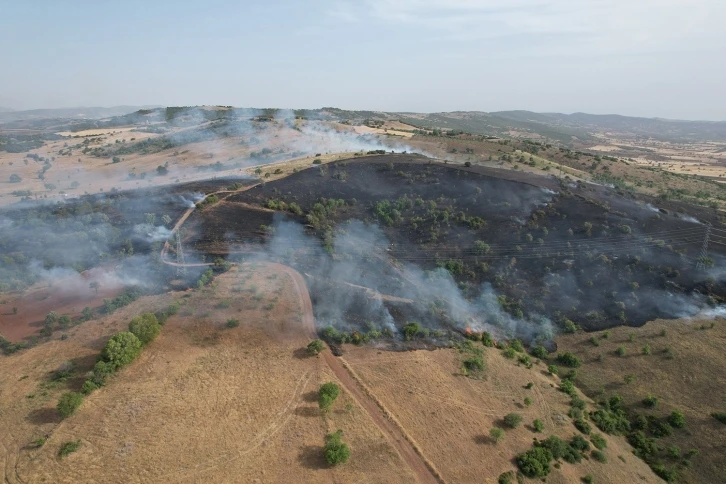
(583, 426)
(610, 422)
(720, 416)
(569, 360)
(650, 401)
(588, 479)
(553, 370)
(598, 441)
(509, 353)
(620, 351)
(487, 339)
(327, 394)
(646, 350)
(69, 448)
(88, 387)
(512, 420)
(677, 419)
(69, 403)
(516, 345)
(599, 456)
(121, 349)
(538, 426)
(314, 347)
(527, 401)
(411, 330)
(335, 451)
(232, 323)
(540, 352)
(535, 462)
(560, 449)
(146, 327)
(580, 443)
(474, 363)
(496, 434)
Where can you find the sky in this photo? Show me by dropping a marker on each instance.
(652, 58)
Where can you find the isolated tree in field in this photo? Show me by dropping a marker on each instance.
(69, 403)
(327, 394)
(146, 327)
(496, 434)
(314, 347)
(335, 451)
(15, 310)
(512, 420)
(94, 285)
(121, 349)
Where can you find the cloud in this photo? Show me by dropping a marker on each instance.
(606, 25)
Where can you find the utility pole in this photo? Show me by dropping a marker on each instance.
(703, 255)
(181, 268)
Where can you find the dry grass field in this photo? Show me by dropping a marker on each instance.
(449, 415)
(684, 370)
(203, 402)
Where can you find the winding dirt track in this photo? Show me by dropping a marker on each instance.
(406, 448)
(421, 469)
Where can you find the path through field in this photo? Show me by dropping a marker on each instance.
(404, 445)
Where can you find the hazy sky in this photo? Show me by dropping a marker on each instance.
(650, 58)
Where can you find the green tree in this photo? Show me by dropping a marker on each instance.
(327, 394)
(335, 450)
(677, 419)
(535, 462)
(411, 330)
(69, 403)
(146, 327)
(314, 347)
(538, 426)
(496, 434)
(121, 349)
(512, 420)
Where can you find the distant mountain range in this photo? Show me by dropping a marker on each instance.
(8, 115)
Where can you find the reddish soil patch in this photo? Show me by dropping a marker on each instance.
(66, 296)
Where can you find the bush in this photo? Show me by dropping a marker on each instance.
(411, 330)
(650, 401)
(538, 426)
(15, 178)
(69, 403)
(553, 370)
(535, 462)
(598, 441)
(314, 347)
(560, 449)
(677, 419)
(527, 401)
(88, 387)
(599, 456)
(232, 323)
(583, 426)
(335, 451)
(327, 394)
(540, 352)
(121, 349)
(720, 416)
(487, 339)
(610, 422)
(516, 345)
(569, 360)
(69, 448)
(588, 479)
(620, 351)
(512, 420)
(496, 434)
(579, 443)
(146, 327)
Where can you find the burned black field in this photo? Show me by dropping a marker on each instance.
(468, 248)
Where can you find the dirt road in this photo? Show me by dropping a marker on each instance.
(423, 470)
(402, 443)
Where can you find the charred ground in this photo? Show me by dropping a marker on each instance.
(568, 251)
